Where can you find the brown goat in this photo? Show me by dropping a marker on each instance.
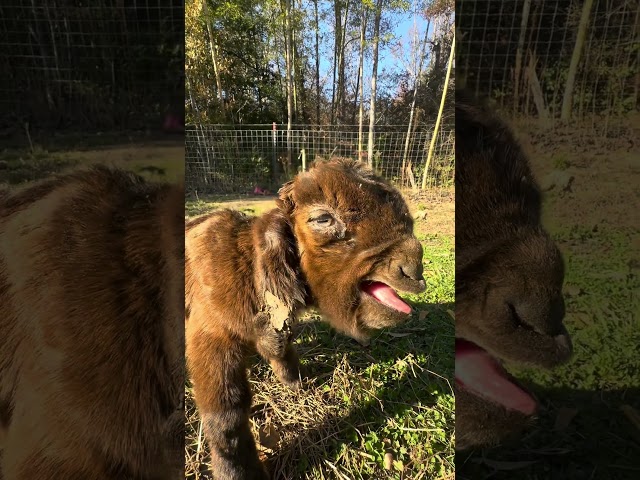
(509, 277)
(341, 240)
(92, 342)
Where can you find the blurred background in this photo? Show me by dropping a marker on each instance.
(78, 75)
(566, 75)
(274, 86)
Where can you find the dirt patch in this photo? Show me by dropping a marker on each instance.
(143, 151)
(161, 159)
(433, 210)
(433, 216)
(257, 205)
(157, 161)
(602, 171)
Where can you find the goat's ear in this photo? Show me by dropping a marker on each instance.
(285, 200)
(277, 262)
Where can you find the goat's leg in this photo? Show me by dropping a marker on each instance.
(223, 398)
(274, 346)
(285, 366)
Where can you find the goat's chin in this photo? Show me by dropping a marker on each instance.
(369, 316)
(480, 423)
(359, 315)
(374, 315)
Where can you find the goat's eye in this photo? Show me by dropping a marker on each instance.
(324, 219)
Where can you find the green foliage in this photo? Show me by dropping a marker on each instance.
(561, 162)
(247, 40)
(251, 87)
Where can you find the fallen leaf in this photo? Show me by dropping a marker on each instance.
(388, 461)
(572, 290)
(564, 417)
(632, 415)
(262, 455)
(451, 314)
(422, 315)
(269, 436)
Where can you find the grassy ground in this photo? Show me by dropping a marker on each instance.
(591, 426)
(393, 399)
(158, 160)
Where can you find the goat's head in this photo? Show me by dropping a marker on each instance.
(509, 276)
(355, 241)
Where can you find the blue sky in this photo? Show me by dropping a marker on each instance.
(389, 62)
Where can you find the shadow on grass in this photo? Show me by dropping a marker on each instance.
(404, 414)
(581, 434)
(400, 400)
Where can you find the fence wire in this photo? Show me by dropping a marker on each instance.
(520, 53)
(254, 159)
(80, 65)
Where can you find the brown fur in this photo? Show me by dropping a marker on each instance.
(92, 345)
(509, 273)
(335, 226)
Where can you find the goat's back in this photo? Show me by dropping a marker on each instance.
(91, 309)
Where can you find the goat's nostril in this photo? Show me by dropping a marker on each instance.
(542, 318)
(414, 272)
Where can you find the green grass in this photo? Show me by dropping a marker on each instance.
(21, 166)
(358, 404)
(154, 162)
(561, 162)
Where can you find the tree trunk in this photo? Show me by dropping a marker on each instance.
(416, 85)
(294, 72)
(360, 90)
(536, 88)
(374, 76)
(214, 59)
(439, 119)
(194, 105)
(567, 99)
(315, 7)
(340, 104)
(286, 7)
(300, 87)
(518, 68)
(337, 11)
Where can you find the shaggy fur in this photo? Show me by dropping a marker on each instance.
(335, 227)
(92, 342)
(509, 273)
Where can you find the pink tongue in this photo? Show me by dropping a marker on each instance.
(478, 372)
(387, 295)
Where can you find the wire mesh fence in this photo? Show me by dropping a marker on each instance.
(569, 59)
(255, 159)
(80, 65)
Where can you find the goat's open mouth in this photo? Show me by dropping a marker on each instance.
(384, 294)
(482, 375)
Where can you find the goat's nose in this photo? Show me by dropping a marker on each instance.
(544, 316)
(413, 270)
